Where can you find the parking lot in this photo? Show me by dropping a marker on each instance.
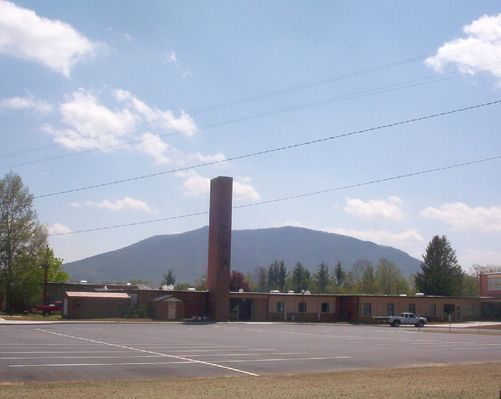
(107, 351)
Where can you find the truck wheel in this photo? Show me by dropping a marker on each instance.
(420, 323)
(396, 323)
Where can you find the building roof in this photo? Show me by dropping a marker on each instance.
(114, 295)
(167, 298)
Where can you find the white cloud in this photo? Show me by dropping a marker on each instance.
(171, 58)
(86, 123)
(26, 103)
(165, 154)
(462, 217)
(199, 186)
(159, 150)
(58, 228)
(381, 236)
(55, 44)
(156, 117)
(479, 51)
(126, 203)
(195, 185)
(89, 124)
(386, 209)
(244, 191)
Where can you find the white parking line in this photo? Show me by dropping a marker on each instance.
(152, 353)
(187, 361)
(141, 356)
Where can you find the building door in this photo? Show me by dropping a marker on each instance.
(171, 311)
(240, 309)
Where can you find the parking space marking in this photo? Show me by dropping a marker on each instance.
(187, 361)
(142, 356)
(151, 353)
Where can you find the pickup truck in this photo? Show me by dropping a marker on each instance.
(48, 309)
(407, 318)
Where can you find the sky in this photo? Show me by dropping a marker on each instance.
(333, 116)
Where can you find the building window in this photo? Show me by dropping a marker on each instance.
(325, 307)
(432, 310)
(390, 309)
(301, 307)
(280, 307)
(412, 307)
(367, 309)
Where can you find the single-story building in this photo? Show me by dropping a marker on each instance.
(89, 305)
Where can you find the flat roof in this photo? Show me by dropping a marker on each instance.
(114, 295)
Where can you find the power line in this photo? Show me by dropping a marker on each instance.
(293, 197)
(261, 96)
(293, 108)
(245, 118)
(273, 150)
(307, 85)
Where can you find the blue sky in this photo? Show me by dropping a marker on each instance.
(95, 92)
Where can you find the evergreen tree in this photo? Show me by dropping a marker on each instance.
(440, 272)
(169, 278)
(339, 274)
(277, 275)
(300, 278)
(322, 278)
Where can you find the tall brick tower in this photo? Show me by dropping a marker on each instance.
(218, 273)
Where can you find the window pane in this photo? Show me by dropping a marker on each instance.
(390, 309)
(367, 309)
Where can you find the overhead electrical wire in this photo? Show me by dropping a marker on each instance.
(292, 108)
(292, 197)
(273, 150)
(261, 96)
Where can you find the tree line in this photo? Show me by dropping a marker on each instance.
(440, 275)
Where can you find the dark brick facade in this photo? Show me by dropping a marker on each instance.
(218, 273)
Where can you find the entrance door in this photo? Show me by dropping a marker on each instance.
(240, 309)
(171, 311)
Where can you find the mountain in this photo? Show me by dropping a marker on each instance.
(186, 254)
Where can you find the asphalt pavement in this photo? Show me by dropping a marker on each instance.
(109, 351)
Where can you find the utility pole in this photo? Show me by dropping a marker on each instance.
(46, 274)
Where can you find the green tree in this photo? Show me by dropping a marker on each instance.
(23, 242)
(322, 278)
(261, 279)
(471, 285)
(168, 278)
(389, 279)
(300, 278)
(339, 274)
(362, 277)
(440, 272)
(277, 275)
(369, 281)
